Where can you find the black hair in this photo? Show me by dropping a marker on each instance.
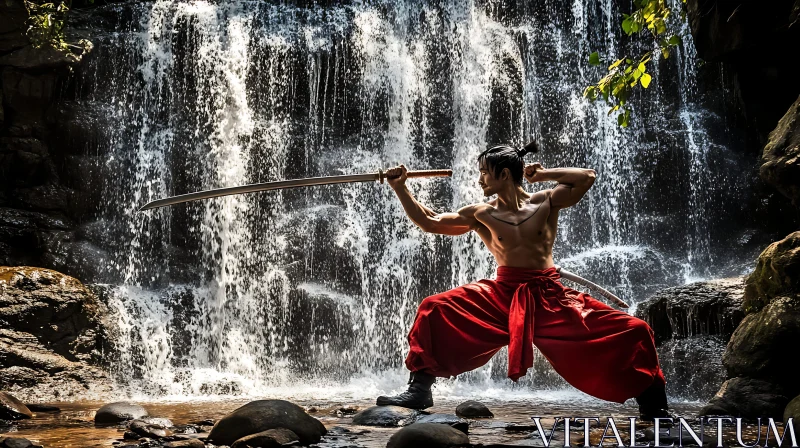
(500, 157)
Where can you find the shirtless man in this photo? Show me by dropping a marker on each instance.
(602, 351)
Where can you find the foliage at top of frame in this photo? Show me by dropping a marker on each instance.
(46, 22)
(628, 72)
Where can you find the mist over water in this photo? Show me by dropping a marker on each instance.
(311, 292)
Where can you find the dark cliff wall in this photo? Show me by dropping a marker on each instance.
(756, 43)
(45, 192)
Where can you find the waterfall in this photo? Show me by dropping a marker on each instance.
(312, 291)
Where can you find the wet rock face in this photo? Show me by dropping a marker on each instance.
(761, 347)
(13, 409)
(50, 334)
(780, 161)
(702, 308)
(432, 435)
(777, 273)
(123, 411)
(747, 398)
(262, 415)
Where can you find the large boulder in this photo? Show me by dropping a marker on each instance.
(119, 412)
(777, 273)
(701, 308)
(261, 415)
(747, 398)
(792, 411)
(59, 310)
(429, 435)
(780, 161)
(51, 335)
(13, 409)
(760, 347)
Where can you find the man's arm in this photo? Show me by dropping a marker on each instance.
(573, 183)
(442, 223)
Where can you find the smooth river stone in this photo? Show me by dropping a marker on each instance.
(119, 412)
(384, 416)
(13, 409)
(429, 435)
(473, 409)
(261, 415)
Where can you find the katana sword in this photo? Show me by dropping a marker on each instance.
(280, 184)
(593, 286)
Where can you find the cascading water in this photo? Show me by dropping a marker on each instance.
(279, 290)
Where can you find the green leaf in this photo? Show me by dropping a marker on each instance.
(623, 119)
(645, 80)
(615, 64)
(626, 26)
(661, 27)
(594, 59)
(665, 52)
(675, 40)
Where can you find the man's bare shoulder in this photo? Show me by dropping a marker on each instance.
(477, 207)
(540, 196)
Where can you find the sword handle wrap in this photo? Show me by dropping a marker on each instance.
(419, 173)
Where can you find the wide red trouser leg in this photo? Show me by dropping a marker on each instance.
(601, 351)
(613, 357)
(458, 330)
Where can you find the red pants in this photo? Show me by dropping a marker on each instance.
(603, 352)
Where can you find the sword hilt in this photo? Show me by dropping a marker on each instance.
(419, 173)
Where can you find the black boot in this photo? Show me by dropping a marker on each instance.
(418, 395)
(653, 403)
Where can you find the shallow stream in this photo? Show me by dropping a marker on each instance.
(74, 426)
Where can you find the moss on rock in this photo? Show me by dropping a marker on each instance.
(777, 273)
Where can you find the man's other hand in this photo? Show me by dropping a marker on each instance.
(531, 170)
(396, 177)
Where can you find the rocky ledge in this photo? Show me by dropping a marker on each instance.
(760, 364)
(692, 324)
(51, 336)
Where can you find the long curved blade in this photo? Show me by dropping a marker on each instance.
(277, 185)
(593, 286)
